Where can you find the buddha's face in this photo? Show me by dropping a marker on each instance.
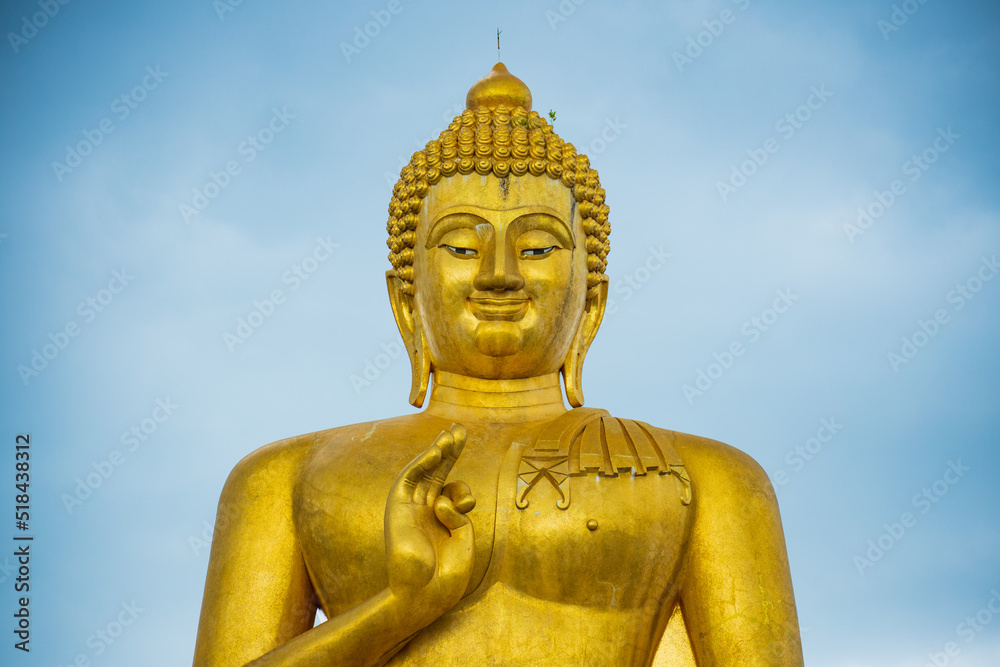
(500, 275)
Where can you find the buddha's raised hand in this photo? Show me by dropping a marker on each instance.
(429, 538)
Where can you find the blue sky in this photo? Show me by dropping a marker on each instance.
(808, 112)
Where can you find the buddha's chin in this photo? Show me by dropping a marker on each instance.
(499, 339)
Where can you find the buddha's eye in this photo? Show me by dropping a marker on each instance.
(535, 252)
(468, 252)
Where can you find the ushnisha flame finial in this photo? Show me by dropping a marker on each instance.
(499, 87)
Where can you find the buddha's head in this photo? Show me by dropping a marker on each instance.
(498, 232)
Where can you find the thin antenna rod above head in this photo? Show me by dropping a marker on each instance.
(498, 43)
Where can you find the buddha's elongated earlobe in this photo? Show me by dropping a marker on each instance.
(420, 363)
(572, 370)
(413, 339)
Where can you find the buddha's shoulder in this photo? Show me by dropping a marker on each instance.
(698, 451)
(701, 459)
(718, 466)
(285, 458)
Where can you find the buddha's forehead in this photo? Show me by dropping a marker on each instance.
(491, 193)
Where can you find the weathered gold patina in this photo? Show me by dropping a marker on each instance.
(497, 527)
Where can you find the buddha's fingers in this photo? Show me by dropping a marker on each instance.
(447, 514)
(421, 494)
(452, 442)
(417, 472)
(460, 495)
(457, 554)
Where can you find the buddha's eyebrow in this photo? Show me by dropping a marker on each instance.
(527, 218)
(451, 221)
(544, 222)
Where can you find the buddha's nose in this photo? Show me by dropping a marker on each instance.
(498, 271)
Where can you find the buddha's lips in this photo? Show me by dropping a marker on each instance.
(509, 309)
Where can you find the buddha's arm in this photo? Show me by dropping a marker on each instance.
(258, 595)
(257, 592)
(737, 592)
(259, 606)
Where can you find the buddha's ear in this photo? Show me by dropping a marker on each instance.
(572, 369)
(413, 339)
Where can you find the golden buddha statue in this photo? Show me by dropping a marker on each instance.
(498, 527)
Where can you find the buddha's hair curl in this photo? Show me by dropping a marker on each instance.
(504, 142)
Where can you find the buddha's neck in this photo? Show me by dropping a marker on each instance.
(465, 398)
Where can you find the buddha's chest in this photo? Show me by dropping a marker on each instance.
(595, 528)
(589, 539)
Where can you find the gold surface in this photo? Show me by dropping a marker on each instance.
(497, 527)
(499, 87)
